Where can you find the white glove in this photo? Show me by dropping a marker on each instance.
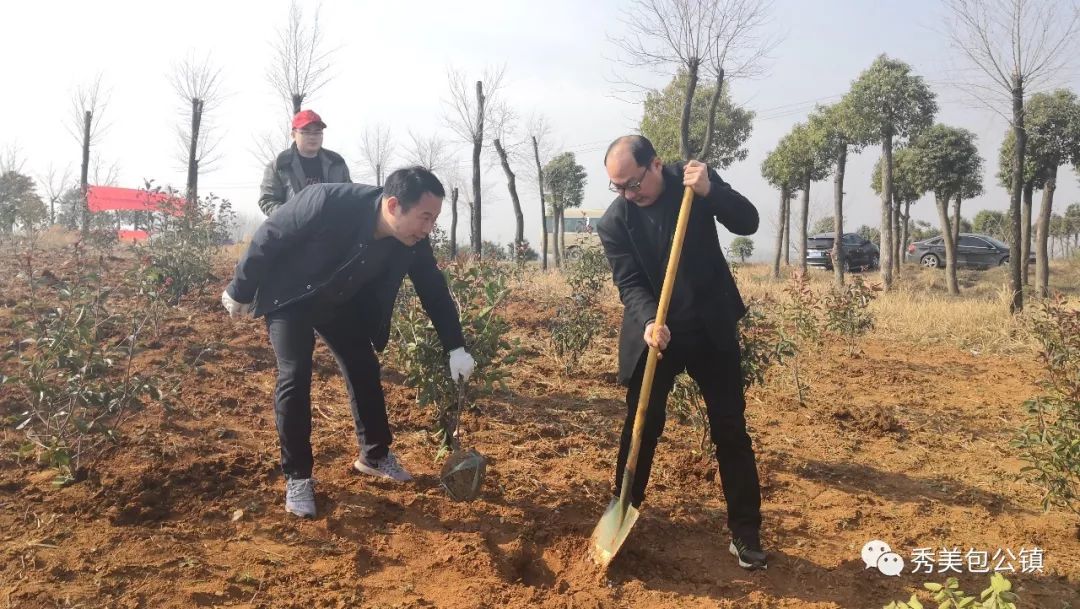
(235, 309)
(461, 364)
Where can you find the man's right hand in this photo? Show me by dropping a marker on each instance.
(235, 309)
(657, 336)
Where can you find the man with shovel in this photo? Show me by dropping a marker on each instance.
(331, 261)
(698, 334)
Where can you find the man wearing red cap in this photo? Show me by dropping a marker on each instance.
(306, 162)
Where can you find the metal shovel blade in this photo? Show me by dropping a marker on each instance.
(612, 530)
(463, 474)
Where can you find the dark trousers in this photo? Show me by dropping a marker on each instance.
(292, 334)
(719, 376)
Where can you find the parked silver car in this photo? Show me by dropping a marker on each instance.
(972, 251)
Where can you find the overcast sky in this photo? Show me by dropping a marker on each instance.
(390, 67)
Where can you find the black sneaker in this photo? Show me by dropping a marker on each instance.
(750, 554)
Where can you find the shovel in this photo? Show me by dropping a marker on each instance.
(463, 473)
(620, 516)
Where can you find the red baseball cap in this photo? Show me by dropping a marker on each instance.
(305, 118)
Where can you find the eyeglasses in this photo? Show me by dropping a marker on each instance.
(310, 133)
(632, 186)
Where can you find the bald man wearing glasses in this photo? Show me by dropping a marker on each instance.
(304, 163)
(700, 335)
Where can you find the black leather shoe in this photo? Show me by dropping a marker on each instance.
(750, 554)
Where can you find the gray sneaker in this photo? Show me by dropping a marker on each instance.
(387, 467)
(300, 497)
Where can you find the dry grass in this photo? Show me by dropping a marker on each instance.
(540, 286)
(976, 324)
(919, 310)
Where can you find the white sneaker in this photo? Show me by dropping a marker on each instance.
(300, 497)
(387, 467)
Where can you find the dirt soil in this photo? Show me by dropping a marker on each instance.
(907, 445)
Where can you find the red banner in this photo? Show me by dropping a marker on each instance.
(108, 198)
(131, 235)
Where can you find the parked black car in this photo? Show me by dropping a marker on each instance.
(859, 253)
(972, 251)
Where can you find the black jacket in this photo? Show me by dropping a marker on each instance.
(639, 275)
(321, 234)
(284, 177)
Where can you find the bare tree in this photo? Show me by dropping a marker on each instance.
(55, 184)
(433, 153)
(104, 173)
(430, 152)
(376, 150)
(467, 118)
(1019, 46)
(717, 39)
(88, 103)
(453, 182)
(198, 85)
(508, 149)
(539, 132)
(267, 145)
(301, 62)
(11, 159)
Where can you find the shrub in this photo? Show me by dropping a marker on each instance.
(762, 341)
(522, 252)
(479, 289)
(75, 369)
(802, 325)
(1050, 440)
(578, 319)
(178, 257)
(491, 251)
(575, 324)
(847, 311)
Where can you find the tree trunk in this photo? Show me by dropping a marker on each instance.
(784, 196)
(84, 183)
(950, 245)
(886, 213)
(803, 222)
(956, 220)
(838, 218)
(562, 234)
(787, 231)
(1042, 233)
(1025, 226)
(297, 101)
(1016, 304)
(555, 249)
(193, 159)
(905, 228)
(896, 235)
(511, 185)
(714, 102)
(453, 223)
(543, 207)
(688, 99)
(478, 143)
